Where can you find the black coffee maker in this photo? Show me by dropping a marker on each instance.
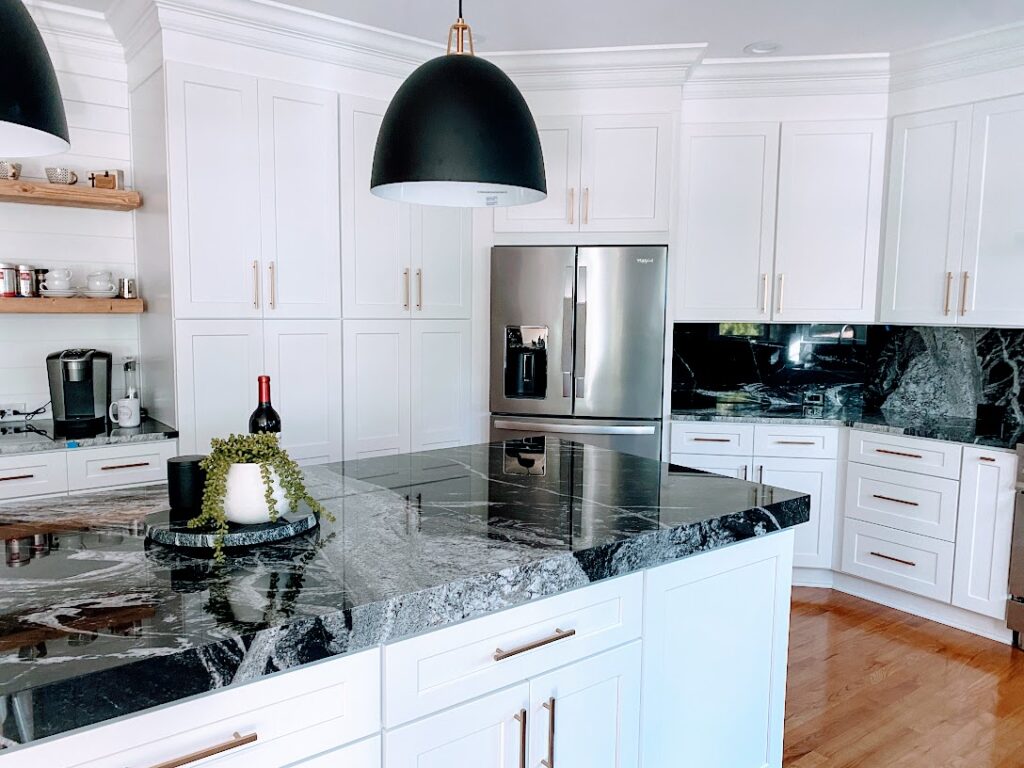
(79, 390)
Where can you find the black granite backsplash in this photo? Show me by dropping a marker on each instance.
(934, 371)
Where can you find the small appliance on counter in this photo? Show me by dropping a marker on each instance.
(79, 389)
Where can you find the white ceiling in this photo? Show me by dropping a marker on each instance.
(801, 27)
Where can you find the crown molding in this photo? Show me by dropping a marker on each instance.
(647, 65)
(977, 54)
(790, 76)
(75, 30)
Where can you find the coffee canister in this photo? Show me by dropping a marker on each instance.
(8, 281)
(26, 281)
(186, 481)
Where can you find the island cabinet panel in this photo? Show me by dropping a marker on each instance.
(451, 665)
(587, 715)
(716, 638)
(293, 716)
(365, 754)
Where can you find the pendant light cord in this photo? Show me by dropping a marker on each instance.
(460, 9)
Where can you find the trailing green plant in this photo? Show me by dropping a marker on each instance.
(264, 450)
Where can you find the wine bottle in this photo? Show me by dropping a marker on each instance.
(264, 418)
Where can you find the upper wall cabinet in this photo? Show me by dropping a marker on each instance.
(729, 174)
(398, 260)
(605, 173)
(924, 233)
(254, 196)
(780, 222)
(829, 219)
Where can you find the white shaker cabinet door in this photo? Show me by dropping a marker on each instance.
(993, 262)
(625, 171)
(716, 640)
(376, 240)
(924, 230)
(729, 174)
(489, 732)
(442, 251)
(587, 715)
(560, 141)
(212, 147)
(218, 362)
(376, 357)
(817, 477)
(440, 375)
(303, 360)
(981, 566)
(299, 191)
(829, 213)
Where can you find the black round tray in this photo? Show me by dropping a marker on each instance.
(180, 536)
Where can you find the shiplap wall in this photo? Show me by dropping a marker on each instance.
(93, 80)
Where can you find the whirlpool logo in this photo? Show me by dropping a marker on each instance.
(645, 260)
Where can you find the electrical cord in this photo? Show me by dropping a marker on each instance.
(29, 415)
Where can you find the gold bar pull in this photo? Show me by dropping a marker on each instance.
(572, 205)
(712, 440)
(963, 294)
(744, 470)
(405, 281)
(949, 290)
(794, 442)
(911, 563)
(549, 705)
(273, 285)
(887, 452)
(764, 293)
(586, 205)
(782, 289)
(986, 458)
(124, 466)
(195, 757)
(559, 634)
(521, 717)
(419, 285)
(895, 500)
(255, 284)
(16, 477)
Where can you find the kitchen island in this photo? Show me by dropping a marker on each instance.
(479, 578)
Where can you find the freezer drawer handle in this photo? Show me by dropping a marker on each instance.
(895, 500)
(567, 299)
(574, 429)
(899, 453)
(554, 637)
(581, 334)
(911, 563)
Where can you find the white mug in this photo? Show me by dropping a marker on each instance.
(100, 281)
(58, 279)
(126, 412)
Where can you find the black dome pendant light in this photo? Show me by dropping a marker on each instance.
(32, 121)
(459, 133)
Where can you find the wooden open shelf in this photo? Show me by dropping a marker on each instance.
(75, 196)
(48, 305)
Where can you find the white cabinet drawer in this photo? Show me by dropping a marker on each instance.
(927, 457)
(294, 715)
(441, 668)
(904, 500)
(365, 754)
(33, 474)
(793, 441)
(713, 437)
(903, 560)
(119, 464)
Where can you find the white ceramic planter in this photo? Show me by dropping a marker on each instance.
(245, 502)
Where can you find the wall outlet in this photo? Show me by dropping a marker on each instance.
(7, 412)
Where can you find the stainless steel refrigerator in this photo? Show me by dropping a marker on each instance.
(577, 344)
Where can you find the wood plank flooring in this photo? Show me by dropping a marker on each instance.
(873, 687)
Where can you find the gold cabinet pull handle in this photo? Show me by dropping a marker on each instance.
(236, 742)
(521, 717)
(949, 290)
(419, 287)
(586, 205)
(572, 205)
(744, 469)
(712, 440)
(760, 473)
(911, 563)
(16, 477)
(963, 294)
(405, 282)
(794, 442)
(273, 285)
(549, 705)
(782, 289)
(764, 293)
(895, 500)
(255, 284)
(124, 466)
(986, 458)
(899, 453)
(559, 634)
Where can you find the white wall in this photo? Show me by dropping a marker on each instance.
(91, 70)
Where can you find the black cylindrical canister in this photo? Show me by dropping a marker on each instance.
(185, 483)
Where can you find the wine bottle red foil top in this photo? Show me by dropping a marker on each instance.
(264, 382)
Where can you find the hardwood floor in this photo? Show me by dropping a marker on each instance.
(870, 686)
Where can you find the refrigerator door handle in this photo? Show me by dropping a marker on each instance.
(575, 429)
(567, 333)
(581, 333)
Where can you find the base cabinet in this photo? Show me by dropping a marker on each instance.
(716, 638)
(817, 477)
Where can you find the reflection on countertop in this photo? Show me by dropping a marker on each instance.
(44, 435)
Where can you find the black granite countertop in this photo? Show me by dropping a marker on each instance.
(949, 428)
(43, 435)
(95, 624)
